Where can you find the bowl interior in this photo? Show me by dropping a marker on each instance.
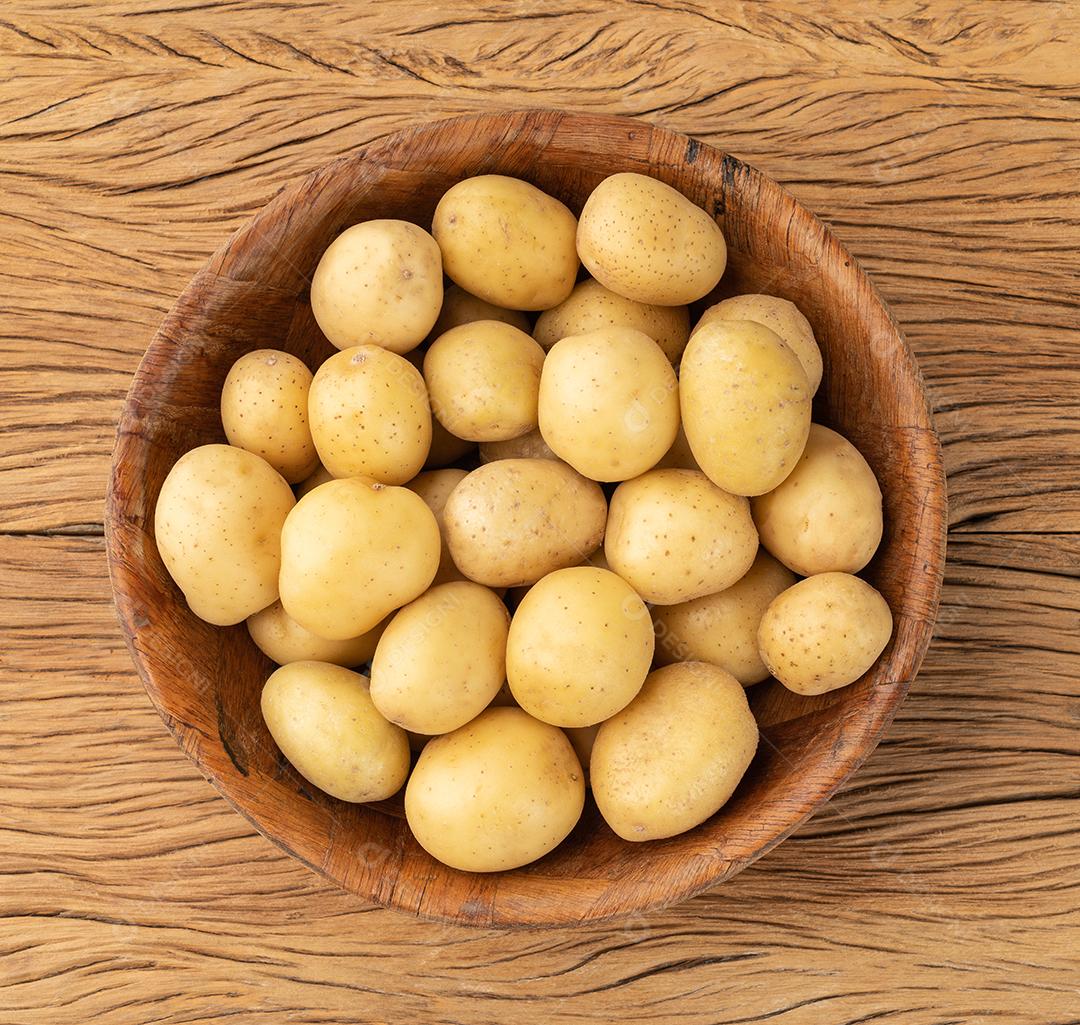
(206, 681)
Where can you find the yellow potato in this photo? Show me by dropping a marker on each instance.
(378, 283)
(648, 242)
(283, 640)
(352, 551)
(442, 659)
(826, 515)
(217, 525)
(264, 407)
(513, 521)
(824, 632)
(445, 448)
(483, 379)
(582, 738)
(527, 446)
(722, 628)
(496, 794)
(369, 415)
(319, 476)
(675, 536)
(673, 757)
(461, 307)
(434, 488)
(609, 403)
(580, 647)
(592, 307)
(507, 242)
(679, 456)
(323, 719)
(778, 315)
(745, 405)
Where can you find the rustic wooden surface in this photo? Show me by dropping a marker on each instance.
(939, 140)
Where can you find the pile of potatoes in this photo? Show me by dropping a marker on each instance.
(644, 496)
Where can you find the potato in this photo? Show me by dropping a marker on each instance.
(461, 307)
(580, 647)
(675, 754)
(442, 659)
(592, 307)
(496, 794)
(582, 738)
(609, 403)
(445, 448)
(484, 379)
(513, 521)
(379, 283)
(217, 525)
(352, 551)
(434, 488)
(745, 405)
(507, 242)
(722, 628)
(370, 416)
(283, 640)
(679, 456)
(527, 446)
(826, 515)
(320, 475)
(648, 242)
(323, 719)
(824, 632)
(264, 409)
(778, 315)
(674, 536)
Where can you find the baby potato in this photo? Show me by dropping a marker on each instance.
(217, 525)
(722, 628)
(513, 521)
(434, 488)
(352, 551)
(507, 242)
(826, 515)
(461, 307)
(379, 283)
(745, 405)
(592, 307)
(675, 754)
(582, 738)
(320, 475)
(674, 536)
(442, 659)
(679, 456)
(370, 416)
(483, 379)
(445, 448)
(526, 446)
(322, 718)
(824, 632)
(780, 316)
(496, 794)
(580, 647)
(648, 242)
(264, 405)
(609, 403)
(283, 640)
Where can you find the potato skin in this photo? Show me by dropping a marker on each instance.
(675, 754)
(648, 242)
(824, 632)
(826, 515)
(441, 659)
(675, 536)
(217, 524)
(609, 403)
(369, 415)
(320, 475)
(526, 446)
(779, 315)
(283, 640)
(461, 307)
(722, 628)
(679, 456)
(484, 379)
(434, 487)
(496, 794)
(378, 283)
(592, 307)
(322, 718)
(352, 551)
(745, 404)
(507, 242)
(580, 647)
(513, 521)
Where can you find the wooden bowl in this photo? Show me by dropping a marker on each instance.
(253, 293)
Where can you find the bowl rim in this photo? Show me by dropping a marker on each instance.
(706, 872)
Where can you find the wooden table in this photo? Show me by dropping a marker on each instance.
(939, 140)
